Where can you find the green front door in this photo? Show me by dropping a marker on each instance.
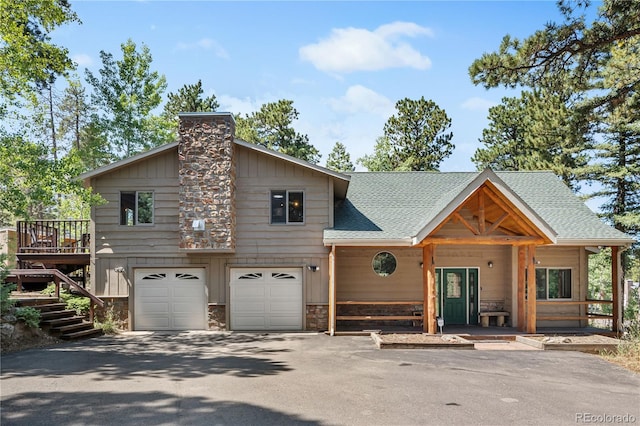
(454, 296)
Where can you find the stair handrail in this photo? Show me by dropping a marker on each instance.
(61, 277)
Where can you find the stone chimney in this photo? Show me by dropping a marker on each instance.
(207, 171)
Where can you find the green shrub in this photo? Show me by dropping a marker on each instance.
(108, 326)
(31, 316)
(5, 303)
(50, 290)
(80, 304)
(5, 288)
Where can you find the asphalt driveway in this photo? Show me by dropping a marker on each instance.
(209, 378)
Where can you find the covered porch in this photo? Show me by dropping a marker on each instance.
(486, 258)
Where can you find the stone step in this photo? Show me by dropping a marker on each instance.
(70, 328)
(93, 332)
(57, 322)
(50, 307)
(49, 315)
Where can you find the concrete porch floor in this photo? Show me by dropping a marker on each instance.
(478, 331)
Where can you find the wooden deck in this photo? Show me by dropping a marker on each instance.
(55, 244)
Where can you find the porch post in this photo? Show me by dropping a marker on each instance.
(531, 290)
(56, 280)
(522, 265)
(429, 290)
(332, 291)
(615, 288)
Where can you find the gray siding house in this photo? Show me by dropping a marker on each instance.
(212, 232)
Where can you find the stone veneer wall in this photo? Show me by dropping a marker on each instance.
(317, 317)
(217, 317)
(207, 181)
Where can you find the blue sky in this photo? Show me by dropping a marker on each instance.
(344, 64)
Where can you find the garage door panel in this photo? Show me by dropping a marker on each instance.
(182, 322)
(250, 321)
(282, 322)
(187, 291)
(149, 291)
(288, 308)
(150, 322)
(155, 308)
(256, 290)
(271, 300)
(249, 307)
(286, 291)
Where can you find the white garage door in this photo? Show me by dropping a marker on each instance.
(170, 299)
(266, 299)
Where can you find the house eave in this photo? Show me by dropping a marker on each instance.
(607, 242)
(367, 242)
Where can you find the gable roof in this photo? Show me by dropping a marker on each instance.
(402, 208)
(340, 180)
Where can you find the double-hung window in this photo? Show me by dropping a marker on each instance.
(553, 283)
(287, 207)
(136, 208)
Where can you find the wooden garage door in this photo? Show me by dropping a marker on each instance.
(170, 299)
(266, 299)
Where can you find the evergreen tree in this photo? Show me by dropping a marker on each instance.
(417, 138)
(534, 132)
(189, 99)
(272, 127)
(384, 158)
(598, 63)
(339, 159)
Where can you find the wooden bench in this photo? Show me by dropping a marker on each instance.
(415, 317)
(499, 315)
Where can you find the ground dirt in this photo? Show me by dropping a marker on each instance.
(27, 338)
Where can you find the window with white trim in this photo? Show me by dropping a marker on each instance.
(136, 208)
(553, 283)
(287, 207)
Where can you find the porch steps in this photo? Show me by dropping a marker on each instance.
(61, 322)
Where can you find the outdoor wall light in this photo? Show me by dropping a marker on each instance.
(536, 261)
(198, 225)
(490, 264)
(313, 268)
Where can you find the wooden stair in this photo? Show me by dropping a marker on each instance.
(61, 322)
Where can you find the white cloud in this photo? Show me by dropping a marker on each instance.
(356, 49)
(206, 44)
(362, 99)
(245, 105)
(82, 59)
(477, 104)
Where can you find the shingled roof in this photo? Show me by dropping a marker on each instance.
(398, 208)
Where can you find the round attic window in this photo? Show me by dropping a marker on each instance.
(384, 263)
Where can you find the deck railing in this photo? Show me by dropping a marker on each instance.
(53, 236)
(17, 275)
(588, 315)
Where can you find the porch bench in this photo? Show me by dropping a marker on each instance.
(499, 315)
(414, 317)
